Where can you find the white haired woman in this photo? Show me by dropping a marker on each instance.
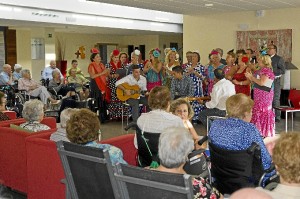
(174, 146)
(61, 133)
(34, 88)
(33, 113)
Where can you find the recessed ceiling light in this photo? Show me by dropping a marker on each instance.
(208, 5)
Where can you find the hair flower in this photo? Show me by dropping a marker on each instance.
(214, 52)
(177, 56)
(95, 51)
(264, 52)
(137, 52)
(173, 49)
(116, 52)
(245, 59)
(156, 53)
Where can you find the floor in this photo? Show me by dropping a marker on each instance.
(113, 129)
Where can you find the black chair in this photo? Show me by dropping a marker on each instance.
(233, 170)
(88, 171)
(136, 182)
(147, 145)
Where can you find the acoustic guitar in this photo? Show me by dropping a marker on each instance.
(135, 92)
(199, 99)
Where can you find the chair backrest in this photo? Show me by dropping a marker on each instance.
(136, 182)
(234, 169)
(147, 145)
(211, 119)
(88, 170)
(294, 98)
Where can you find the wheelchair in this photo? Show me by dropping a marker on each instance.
(196, 165)
(14, 101)
(236, 169)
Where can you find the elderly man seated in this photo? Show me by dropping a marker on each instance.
(6, 77)
(34, 88)
(47, 72)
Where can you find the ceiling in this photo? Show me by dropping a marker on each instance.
(187, 7)
(198, 7)
(26, 25)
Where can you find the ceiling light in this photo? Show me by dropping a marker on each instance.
(5, 8)
(162, 19)
(156, 24)
(17, 9)
(208, 5)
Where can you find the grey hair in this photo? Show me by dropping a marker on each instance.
(25, 71)
(33, 109)
(6, 66)
(55, 71)
(174, 146)
(65, 116)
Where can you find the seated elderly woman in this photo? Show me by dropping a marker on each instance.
(175, 143)
(34, 88)
(61, 133)
(33, 113)
(3, 117)
(59, 86)
(79, 82)
(182, 108)
(236, 132)
(84, 128)
(287, 161)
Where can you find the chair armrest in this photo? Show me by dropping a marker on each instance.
(272, 179)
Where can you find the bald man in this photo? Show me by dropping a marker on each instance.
(47, 72)
(6, 77)
(249, 193)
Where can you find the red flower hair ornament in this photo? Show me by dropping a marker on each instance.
(95, 51)
(116, 52)
(245, 59)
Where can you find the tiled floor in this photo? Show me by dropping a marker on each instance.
(113, 129)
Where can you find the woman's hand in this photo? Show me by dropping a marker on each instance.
(249, 75)
(235, 81)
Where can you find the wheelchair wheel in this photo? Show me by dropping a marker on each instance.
(19, 98)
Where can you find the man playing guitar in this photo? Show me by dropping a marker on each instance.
(134, 79)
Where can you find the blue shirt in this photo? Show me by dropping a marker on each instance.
(17, 75)
(236, 134)
(4, 79)
(115, 154)
(47, 73)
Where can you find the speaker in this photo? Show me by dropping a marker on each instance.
(260, 13)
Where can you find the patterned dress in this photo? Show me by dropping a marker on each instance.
(115, 154)
(115, 105)
(211, 77)
(34, 126)
(202, 189)
(197, 83)
(236, 134)
(168, 76)
(153, 79)
(262, 113)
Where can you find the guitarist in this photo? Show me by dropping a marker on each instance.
(222, 89)
(134, 79)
